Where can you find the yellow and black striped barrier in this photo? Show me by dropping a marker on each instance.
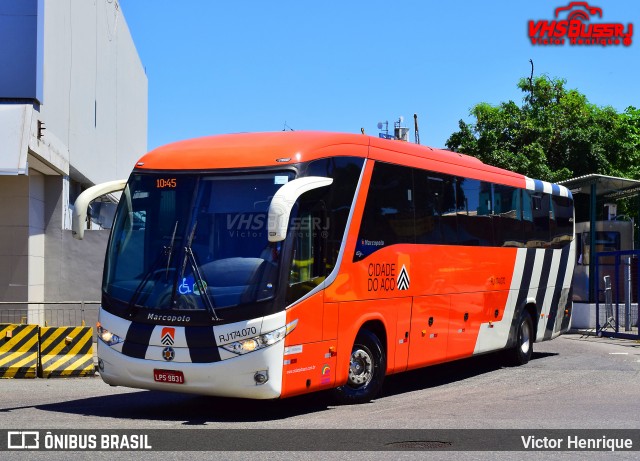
(66, 352)
(18, 351)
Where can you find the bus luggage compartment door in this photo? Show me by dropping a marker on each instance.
(429, 330)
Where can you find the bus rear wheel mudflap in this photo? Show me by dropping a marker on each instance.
(367, 368)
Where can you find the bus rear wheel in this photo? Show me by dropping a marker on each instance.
(367, 367)
(520, 354)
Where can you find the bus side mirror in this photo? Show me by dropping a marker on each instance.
(84, 199)
(282, 204)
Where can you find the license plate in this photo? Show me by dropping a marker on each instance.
(168, 376)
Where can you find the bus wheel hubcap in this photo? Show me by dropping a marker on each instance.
(360, 368)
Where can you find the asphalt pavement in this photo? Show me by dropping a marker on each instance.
(573, 382)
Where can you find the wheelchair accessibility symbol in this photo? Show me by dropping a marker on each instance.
(189, 286)
(186, 287)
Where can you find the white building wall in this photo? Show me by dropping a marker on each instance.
(95, 88)
(14, 238)
(89, 93)
(35, 259)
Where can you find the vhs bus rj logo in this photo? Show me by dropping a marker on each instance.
(23, 440)
(576, 28)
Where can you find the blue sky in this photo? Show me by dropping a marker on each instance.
(223, 67)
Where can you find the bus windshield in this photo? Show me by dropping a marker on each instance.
(194, 241)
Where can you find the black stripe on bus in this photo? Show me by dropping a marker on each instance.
(137, 340)
(525, 282)
(544, 282)
(202, 344)
(553, 308)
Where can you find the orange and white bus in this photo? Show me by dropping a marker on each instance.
(275, 264)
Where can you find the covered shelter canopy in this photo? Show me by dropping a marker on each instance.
(603, 187)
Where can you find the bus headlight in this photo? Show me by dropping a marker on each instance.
(108, 337)
(261, 341)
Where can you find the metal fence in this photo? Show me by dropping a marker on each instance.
(617, 306)
(50, 313)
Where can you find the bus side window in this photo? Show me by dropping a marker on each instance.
(562, 223)
(307, 268)
(339, 198)
(506, 218)
(527, 219)
(388, 216)
(430, 206)
(473, 199)
(541, 219)
(449, 216)
(536, 212)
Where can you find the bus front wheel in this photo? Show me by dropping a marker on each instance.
(367, 367)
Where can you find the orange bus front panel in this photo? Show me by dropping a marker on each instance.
(330, 321)
(308, 367)
(309, 313)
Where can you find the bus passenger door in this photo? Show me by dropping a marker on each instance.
(429, 330)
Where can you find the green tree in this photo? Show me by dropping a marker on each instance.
(555, 134)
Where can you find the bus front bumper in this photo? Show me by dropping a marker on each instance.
(233, 377)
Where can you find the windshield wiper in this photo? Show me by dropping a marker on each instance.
(170, 250)
(166, 252)
(197, 275)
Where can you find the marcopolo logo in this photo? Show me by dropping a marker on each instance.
(167, 336)
(572, 25)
